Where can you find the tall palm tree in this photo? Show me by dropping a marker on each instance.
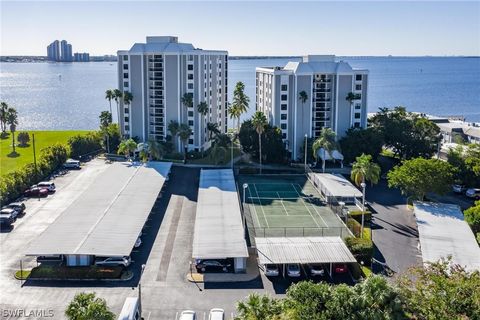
(352, 97)
(258, 307)
(117, 96)
(325, 141)
(303, 97)
(174, 128)
(202, 109)
(240, 102)
(259, 122)
(3, 116)
(155, 149)
(184, 133)
(127, 98)
(234, 113)
(187, 100)
(109, 95)
(12, 120)
(364, 169)
(212, 129)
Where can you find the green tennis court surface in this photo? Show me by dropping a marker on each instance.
(287, 205)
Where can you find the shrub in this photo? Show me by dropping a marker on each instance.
(361, 248)
(357, 215)
(23, 139)
(84, 144)
(472, 217)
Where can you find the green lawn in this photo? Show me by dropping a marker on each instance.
(24, 155)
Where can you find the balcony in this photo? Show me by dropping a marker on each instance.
(323, 90)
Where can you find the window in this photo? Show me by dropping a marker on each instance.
(190, 113)
(190, 76)
(283, 116)
(125, 67)
(190, 141)
(284, 136)
(358, 87)
(127, 127)
(283, 126)
(125, 75)
(283, 107)
(358, 77)
(284, 87)
(356, 124)
(125, 58)
(190, 86)
(125, 84)
(357, 115)
(190, 67)
(284, 97)
(126, 119)
(126, 110)
(190, 122)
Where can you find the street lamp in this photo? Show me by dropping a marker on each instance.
(363, 184)
(140, 290)
(245, 186)
(305, 152)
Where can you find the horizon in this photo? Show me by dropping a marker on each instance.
(347, 29)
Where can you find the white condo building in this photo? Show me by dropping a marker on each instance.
(158, 73)
(326, 83)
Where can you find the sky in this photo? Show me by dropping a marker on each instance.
(358, 28)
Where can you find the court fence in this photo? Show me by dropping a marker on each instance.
(264, 232)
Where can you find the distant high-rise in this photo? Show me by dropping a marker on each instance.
(60, 51)
(81, 57)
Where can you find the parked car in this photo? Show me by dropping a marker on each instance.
(48, 185)
(17, 206)
(10, 211)
(271, 270)
(138, 243)
(50, 258)
(72, 164)
(188, 315)
(216, 314)
(473, 193)
(340, 268)
(458, 188)
(113, 261)
(6, 219)
(36, 192)
(316, 270)
(293, 270)
(213, 265)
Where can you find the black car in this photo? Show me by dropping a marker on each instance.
(6, 219)
(9, 211)
(213, 265)
(17, 206)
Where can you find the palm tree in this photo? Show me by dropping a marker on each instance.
(109, 95)
(12, 120)
(184, 133)
(234, 113)
(326, 141)
(364, 169)
(126, 147)
(240, 102)
(352, 97)
(3, 116)
(156, 149)
(117, 96)
(259, 122)
(127, 98)
(202, 109)
(187, 100)
(258, 307)
(174, 128)
(303, 97)
(212, 128)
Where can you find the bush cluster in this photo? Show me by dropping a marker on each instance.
(13, 184)
(84, 144)
(357, 215)
(361, 248)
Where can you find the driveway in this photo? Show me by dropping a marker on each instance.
(394, 229)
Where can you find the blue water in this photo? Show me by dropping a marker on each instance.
(70, 96)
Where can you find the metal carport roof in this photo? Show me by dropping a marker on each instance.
(106, 219)
(337, 185)
(281, 250)
(219, 231)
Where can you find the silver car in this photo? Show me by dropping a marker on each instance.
(293, 270)
(316, 270)
(113, 261)
(271, 270)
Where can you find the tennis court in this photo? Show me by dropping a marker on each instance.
(287, 205)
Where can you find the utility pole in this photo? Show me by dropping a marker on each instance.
(34, 156)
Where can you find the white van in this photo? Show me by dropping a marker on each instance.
(72, 164)
(130, 310)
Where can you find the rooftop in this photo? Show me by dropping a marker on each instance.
(107, 218)
(219, 231)
(165, 44)
(337, 185)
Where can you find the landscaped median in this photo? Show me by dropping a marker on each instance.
(87, 273)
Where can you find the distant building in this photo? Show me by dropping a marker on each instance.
(159, 73)
(326, 83)
(53, 51)
(81, 57)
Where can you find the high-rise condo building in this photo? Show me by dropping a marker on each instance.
(158, 74)
(53, 51)
(65, 51)
(326, 83)
(81, 57)
(60, 51)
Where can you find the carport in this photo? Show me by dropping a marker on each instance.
(107, 218)
(336, 187)
(303, 250)
(219, 232)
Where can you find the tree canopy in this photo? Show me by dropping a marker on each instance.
(86, 306)
(364, 169)
(358, 141)
(419, 176)
(273, 149)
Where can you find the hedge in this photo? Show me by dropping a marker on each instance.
(84, 144)
(361, 248)
(64, 272)
(357, 215)
(13, 184)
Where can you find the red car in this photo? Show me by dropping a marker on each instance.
(36, 192)
(340, 268)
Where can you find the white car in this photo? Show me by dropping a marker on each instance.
(188, 315)
(114, 261)
(271, 270)
(50, 186)
(473, 193)
(458, 188)
(72, 164)
(138, 243)
(316, 270)
(216, 314)
(293, 270)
